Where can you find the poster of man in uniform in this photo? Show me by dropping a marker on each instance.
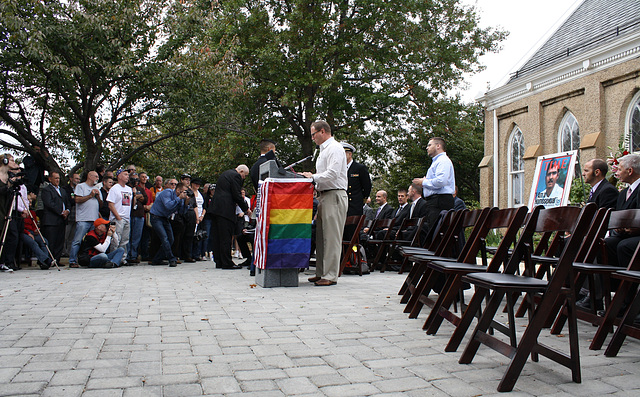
(552, 180)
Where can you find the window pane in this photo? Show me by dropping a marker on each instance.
(634, 125)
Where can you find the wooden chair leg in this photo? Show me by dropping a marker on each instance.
(483, 325)
(465, 321)
(621, 332)
(446, 297)
(610, 316)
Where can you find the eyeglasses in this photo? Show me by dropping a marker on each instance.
(130, 170)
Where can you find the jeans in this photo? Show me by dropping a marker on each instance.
(82, 228)
(137, 223)
(37, 246)
(123, 228)
(162, 229)
(114, 256)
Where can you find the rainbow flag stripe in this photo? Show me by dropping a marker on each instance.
(283, 232)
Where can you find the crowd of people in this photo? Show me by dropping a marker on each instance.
(109, 219)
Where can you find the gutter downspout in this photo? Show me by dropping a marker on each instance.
(495, 158)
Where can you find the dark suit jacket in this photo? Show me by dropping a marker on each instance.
(624, 204)
(54, 204)
(402, 214)
(227, 195)
(420, 210)
(605, 196)
(358, 187)
(387, 212)
(254, 172)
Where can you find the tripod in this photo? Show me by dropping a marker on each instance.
(13, 205)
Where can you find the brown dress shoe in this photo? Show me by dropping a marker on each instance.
(314, 279)
(324, 282)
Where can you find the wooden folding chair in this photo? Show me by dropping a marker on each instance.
(435, 246)
(419, 296)
(511, 220)
(350, 253)
(508, 284)
(393, 242)
(446, 250)
(373, 244)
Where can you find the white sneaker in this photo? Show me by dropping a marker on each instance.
(239, 256)
(4, 268)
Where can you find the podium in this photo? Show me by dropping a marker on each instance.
(282, 243)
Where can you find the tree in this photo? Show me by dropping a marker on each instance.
(89, 79)
(357, 64)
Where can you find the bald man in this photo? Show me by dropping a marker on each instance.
(223, 208)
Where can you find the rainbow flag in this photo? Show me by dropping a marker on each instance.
(283, 230)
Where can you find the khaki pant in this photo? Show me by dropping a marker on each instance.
(332, 213)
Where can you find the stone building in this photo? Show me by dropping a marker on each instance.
(579, 91)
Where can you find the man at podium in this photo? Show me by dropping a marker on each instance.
(331, 185)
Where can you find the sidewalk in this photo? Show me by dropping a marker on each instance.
(195, 330)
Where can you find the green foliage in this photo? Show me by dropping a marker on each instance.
(579, 192)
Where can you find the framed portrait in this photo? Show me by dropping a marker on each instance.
(552, 179)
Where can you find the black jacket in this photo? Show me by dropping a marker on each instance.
(227, 195)
(358, 187)
(605, 196)
(387, 212)
(624, 204)
(54, 204)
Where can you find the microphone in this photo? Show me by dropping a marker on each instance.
(315, 154)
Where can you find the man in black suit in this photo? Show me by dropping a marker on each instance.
(418, 208)
(223, 208)
(384, 211)
(358, 182)
(267, 152)
(56, 204)
(603, 193)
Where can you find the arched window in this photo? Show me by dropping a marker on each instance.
(569, 133)
(633, 123)
(516, 168)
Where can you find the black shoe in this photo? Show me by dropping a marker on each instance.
(233, 267)
(246, 263)
(190, 260)
(252, 273)
(161, 263)
(173, 263)
(109, 265)
(585, 303)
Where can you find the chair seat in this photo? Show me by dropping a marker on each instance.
(425, 258)
(629, 275)
(544, 259)
(506, 281)
(596, 268)
(415, 251)
(444, 266)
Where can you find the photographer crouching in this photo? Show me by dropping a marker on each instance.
(95, 247)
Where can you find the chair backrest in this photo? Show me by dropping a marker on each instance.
(510, 219)
(383, 223)
(358, 221)
(572, 220)
(591, 243)
(464, 220)
(435, 233)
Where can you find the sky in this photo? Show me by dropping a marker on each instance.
(529, 24)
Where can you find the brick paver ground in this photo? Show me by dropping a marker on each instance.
(195, 330)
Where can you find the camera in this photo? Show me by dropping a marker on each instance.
(19, 175)
(189, 193)
(111, 223)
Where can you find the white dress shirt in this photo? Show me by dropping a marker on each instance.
(331, 167)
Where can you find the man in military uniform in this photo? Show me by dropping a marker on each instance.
(359, 182)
